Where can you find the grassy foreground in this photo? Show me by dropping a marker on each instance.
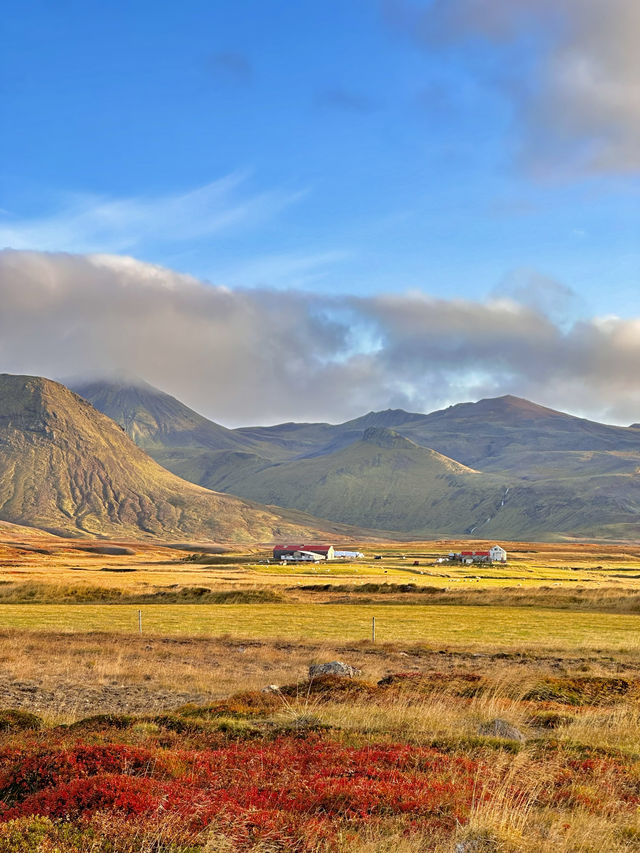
(416, 762)
(509, 627)
(498, 711)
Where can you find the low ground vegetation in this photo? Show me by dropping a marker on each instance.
(498, 711)
(337, 764)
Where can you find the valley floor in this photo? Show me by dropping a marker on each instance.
(504, 717)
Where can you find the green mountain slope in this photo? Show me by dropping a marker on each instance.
(545, 473)
(387, 481)
(66, 468)
(383, 478)
(499, 434)
(498, 431)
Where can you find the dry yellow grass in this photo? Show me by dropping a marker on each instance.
(520, 636)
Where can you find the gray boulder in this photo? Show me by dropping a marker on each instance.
(501, 728)
(335, 667)
(271, 688)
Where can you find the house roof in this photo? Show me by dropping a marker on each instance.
(319, 549)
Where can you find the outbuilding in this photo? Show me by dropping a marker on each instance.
(324, 552)
(302, 557)
(498, 554)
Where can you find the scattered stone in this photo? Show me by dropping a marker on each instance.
(501, 728)
(271, 688)
(335, 667)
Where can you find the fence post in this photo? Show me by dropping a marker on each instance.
(140, 621)
(373, 629)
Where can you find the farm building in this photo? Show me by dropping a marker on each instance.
(302, 557)
(496, 554)
(324, 552)
(348, 555)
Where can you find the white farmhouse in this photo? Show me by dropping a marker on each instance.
(497, 554)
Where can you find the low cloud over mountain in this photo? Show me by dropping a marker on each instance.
(260, 355)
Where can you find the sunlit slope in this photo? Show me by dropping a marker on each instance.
(66, 468)
(386, 481)
(383, 481)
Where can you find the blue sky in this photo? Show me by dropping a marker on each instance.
(391, 202)
(313, 145)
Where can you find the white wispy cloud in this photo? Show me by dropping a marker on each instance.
(93, 223)
(281, 269)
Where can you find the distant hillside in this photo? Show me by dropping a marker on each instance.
(68, 469)
(495, 434)
(545, 474)
(387, 481)
(383, 478)
(497, 431)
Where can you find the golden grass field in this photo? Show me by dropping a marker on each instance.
(552, 596)
(469, 626)
(549, 643)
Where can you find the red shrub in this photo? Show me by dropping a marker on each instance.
(290, 793)
(21, 775)
(82, 797)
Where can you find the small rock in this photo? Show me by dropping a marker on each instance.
(335, 667)
(477, 845)
(271, 688)
(501, 728)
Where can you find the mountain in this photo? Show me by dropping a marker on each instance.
(154, 419)
(68, 469)
(494, 432)
(544, 473)
(497, 431)
(383, 480)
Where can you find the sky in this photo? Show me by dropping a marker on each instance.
(305, 210)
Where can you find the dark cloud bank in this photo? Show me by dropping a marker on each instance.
(260, 356)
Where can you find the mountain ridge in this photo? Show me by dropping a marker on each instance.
(562, 475)
(68, 469)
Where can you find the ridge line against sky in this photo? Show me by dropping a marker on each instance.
(382, 172)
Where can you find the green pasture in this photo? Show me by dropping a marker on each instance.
(394, 569)
(504, 627)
